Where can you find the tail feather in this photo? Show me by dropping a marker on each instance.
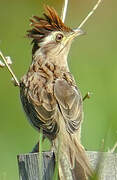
(73, 161)
(82, 168)
(78, 173)
(80, 155)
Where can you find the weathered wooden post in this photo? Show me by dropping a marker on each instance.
(29, 165)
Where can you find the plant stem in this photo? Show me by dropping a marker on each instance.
(64, 10)
(90, 14)
(9, 69)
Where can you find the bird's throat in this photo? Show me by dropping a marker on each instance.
(57, 60)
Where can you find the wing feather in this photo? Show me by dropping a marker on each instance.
(41, 108)
(70, 103)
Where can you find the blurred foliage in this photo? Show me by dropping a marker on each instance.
(92, 60)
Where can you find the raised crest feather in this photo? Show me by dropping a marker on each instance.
(43, 26)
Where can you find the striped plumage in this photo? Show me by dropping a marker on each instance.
(50, 96)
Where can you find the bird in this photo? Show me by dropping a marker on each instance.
(50, 97)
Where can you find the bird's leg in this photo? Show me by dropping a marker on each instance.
(36, 147)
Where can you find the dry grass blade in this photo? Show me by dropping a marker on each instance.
(90, 13)
(64, 10)
(9, 68)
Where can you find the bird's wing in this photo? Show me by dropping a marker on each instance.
(70, 104)
(41, 107)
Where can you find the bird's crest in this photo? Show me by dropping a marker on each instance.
(43, 26)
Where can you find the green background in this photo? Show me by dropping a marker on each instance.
(92, 60)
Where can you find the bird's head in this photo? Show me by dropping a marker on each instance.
(50, 35)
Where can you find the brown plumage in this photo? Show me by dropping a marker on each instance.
(50, 97)
(43, 26)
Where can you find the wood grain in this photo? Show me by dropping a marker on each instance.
(104, 163)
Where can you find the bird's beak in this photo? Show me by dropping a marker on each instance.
(76, 32)
(72, 35)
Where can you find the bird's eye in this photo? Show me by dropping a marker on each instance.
(59, 37)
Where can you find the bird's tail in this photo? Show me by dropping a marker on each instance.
(73, 161)
(81, 165)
